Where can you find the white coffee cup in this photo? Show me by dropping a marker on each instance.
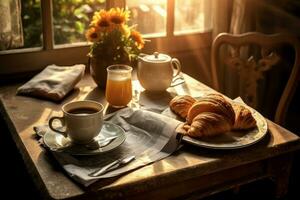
(82, 121)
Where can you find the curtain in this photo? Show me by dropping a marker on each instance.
(243, 16)
(221, 11)
(11, 32)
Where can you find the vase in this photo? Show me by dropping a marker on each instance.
(98, 71)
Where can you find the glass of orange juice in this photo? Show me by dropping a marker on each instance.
(118, 86)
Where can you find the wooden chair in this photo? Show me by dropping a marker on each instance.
(251, 69)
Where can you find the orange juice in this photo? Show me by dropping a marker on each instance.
(118, 91)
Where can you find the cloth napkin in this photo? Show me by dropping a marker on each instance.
(149, 137)
(53, 83)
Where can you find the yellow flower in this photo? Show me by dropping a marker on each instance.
(112, 38)
(123, 28)
(93, 34)
(118, 15)
(137, 37)
(101, 20)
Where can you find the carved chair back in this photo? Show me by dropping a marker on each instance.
(251, 70)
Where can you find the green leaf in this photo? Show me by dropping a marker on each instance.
(79, 26)
(78, 12)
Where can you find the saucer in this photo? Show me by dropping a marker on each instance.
(57, 142)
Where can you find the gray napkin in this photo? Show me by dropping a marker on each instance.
(53, 83)
(149, 137)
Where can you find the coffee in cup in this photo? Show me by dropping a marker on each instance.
(82, 121)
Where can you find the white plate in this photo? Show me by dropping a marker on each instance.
(56, 142)
(234, 139)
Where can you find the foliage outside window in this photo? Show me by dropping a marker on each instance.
(71, 19)
(32, 23)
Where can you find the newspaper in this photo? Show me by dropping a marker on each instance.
(149, 137)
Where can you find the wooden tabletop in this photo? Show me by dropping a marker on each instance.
(162, 179)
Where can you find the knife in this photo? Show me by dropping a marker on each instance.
(111, 166)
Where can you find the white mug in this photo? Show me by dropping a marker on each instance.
(82, 120)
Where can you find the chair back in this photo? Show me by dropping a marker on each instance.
(263, 54)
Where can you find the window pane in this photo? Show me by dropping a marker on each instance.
(192, 16)
(149, 15)
(20, 24)
(71, 19)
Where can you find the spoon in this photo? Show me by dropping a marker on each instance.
(96, 144)
(111, 166)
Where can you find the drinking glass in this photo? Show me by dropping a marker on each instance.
(118, 87)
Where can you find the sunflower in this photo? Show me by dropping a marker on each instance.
(101, 20)
(137, 37)
(123, 28)
(118, 15)
(111, 36)
(93, 34)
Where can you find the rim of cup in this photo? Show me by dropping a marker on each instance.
(121, 68)
(78, 102)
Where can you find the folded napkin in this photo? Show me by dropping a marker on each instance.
(53, 83)
(149, 137)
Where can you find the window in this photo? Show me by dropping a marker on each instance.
(52, 31)
(192, 16)
(71, 19)
(150, 16)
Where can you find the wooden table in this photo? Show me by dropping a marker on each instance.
(190, 172)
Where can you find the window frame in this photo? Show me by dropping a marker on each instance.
(18, 61)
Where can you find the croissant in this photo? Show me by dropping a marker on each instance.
(243, 118)
(181, 105)
(213, 103)
(208, 124)
(211, 115)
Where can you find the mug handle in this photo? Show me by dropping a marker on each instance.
(62, 121)
(176, 65)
